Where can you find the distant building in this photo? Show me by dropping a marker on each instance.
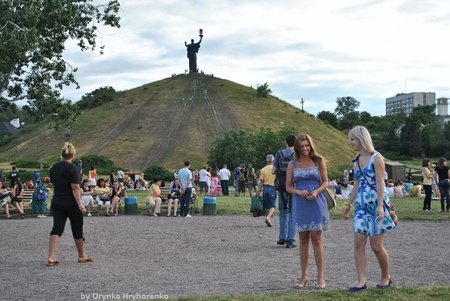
(6, 129)
(442, 110)
(405, 102)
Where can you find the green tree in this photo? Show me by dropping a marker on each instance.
(33, 34)
(345, 106)
(433, 140)
(328, 117)
(97, 97)
(263, 90)
(409, 138)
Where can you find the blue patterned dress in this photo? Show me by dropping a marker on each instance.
(309, 215)
(366, 202)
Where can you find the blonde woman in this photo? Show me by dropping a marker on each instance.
(154, 198)
(66, 203)
(371, 217)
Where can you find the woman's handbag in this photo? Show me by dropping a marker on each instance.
(391, 210)
(331, 198)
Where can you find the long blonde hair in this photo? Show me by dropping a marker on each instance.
(362, 134)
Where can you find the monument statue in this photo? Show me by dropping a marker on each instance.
(192, 50)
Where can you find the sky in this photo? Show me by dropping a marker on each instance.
(317, 50)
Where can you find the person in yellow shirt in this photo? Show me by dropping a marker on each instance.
(267, 185)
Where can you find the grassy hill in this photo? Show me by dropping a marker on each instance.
(175, 119)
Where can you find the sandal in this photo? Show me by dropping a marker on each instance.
(53, 263)
(87, 259)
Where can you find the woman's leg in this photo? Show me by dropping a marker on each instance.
(175, 207)
(447, 197)
(319, 255)
(6, 206)
(158, 206)
(304, 238)
(169, 205)
(16, 204)
(360, 258)
(443, 191)
(376, 243)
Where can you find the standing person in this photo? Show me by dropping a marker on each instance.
(93, 177)
(251, 179)
(39, 203)
(80, 169)
(442, 172)
(306, 180)
(242, 180)
(36, 177)
(208, 180)
(203, 175)
(236, 171)
(17, 194)
(120, 175)
(185, 177)
(111, 178)
(345, 176)
(4, 198)
(66, 203)
(13, 176)
(224, 176)
(371, 217)
(427, 181)
(287, 224)
(267, 186)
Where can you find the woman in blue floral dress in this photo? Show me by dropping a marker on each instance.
(371, 218)
(306, 179)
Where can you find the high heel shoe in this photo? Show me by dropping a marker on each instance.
(302, 284)
(321, 286)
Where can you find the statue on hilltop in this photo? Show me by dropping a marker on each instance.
(192, 50)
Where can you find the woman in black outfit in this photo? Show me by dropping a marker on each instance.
(66, 203)
(443, 173)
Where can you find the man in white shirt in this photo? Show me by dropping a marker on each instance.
(202, 179)
(224, 175)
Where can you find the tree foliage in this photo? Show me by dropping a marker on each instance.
(96, 98)
(329, 118)
(245, 146)
(157, 171)
(263, 90)
(345, 106)
(33, 34)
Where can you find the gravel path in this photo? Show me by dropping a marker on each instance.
(202, 255)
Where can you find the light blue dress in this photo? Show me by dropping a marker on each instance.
(364, 220)
(309, 215)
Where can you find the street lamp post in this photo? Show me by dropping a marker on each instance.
(302, 102)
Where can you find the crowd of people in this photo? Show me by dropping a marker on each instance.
(297, 175)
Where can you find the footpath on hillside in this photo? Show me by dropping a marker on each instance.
(169, 257)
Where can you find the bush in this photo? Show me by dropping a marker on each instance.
(157, 171)
(30, 164)
(102, 164)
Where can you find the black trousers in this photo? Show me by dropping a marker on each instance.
(427, 200)
(62, 211)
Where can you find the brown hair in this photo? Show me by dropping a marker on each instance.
(68, 151)
(316, 157)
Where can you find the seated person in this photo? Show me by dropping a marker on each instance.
(17, 195)
(398, 191)
(154, 198)
(390, 189)
(86, 195)
(415, 190)
(345, 192)
(338, 187)
(408, 186)
(5, 197)
(116, 193)
(174, 196)
(103, 196)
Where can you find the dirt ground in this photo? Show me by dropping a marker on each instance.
(200, 256)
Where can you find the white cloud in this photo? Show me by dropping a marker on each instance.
(315, 50)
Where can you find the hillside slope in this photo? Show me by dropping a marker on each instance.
(174, 119)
